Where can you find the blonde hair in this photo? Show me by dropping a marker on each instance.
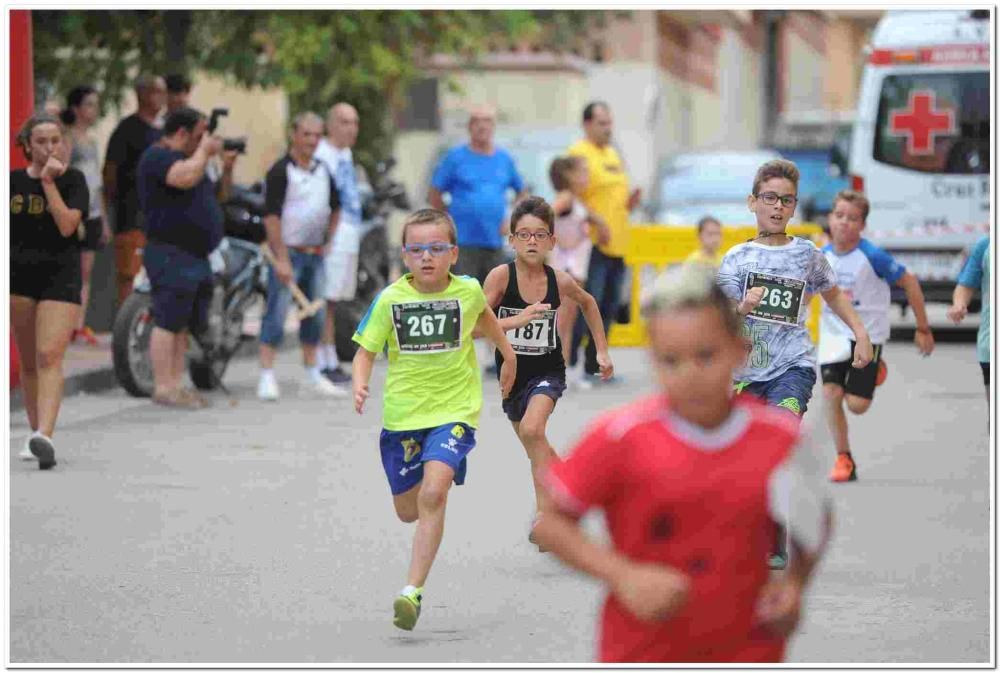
(856, 198)
(431, 216)
(689, 286)
(776, 168)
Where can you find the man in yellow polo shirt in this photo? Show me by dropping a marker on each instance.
(607, 194)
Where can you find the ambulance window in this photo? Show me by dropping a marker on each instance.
(935, 123)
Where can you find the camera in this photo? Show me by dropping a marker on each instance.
(238, 145)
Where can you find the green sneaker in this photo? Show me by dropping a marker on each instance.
(407, 609)
(777, 561)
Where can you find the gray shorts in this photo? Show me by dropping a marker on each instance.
(478, 262)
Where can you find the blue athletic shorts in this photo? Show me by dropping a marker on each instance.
(791, 391)
(404, 453)
(550, 385)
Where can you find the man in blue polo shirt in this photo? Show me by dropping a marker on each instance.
(477, 175)
(183, 223)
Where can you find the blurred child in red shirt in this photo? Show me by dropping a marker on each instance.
(691, 482)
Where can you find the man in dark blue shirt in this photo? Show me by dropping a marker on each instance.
(183, 223)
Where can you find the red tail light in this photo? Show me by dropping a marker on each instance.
(857, 183)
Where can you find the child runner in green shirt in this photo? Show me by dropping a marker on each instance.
(433, 390)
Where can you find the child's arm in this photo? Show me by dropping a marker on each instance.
(780, 603)
(960, 303)
(603, 232)
(841, 305)
(489, 326)
(923, 337)
(563, 201)
(592, 314)
(649, 591)
(361, 373)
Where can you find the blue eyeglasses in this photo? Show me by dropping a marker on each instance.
(436, 249)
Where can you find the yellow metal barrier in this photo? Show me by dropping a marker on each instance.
(653, 248)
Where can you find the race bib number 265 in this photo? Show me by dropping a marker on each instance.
(428, 326)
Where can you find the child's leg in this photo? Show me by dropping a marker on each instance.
(406, 505)
(835, 416)
(431, 500)
(857, 405)
(531, 432)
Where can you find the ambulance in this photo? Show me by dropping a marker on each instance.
(920, 146)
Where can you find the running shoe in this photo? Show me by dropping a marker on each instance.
(41, 447)
(25, 453)
(778, 561)
(407, 608)
(882, 374)
(322, 387)
(85, 334)
(844, 469)
(267, 389)
(337, 376)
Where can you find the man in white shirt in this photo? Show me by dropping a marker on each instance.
(341, 262)
(300, 204)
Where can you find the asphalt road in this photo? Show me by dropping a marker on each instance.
(258, 532)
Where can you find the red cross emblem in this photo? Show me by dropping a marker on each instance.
(920, 122)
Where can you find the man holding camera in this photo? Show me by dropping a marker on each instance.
(301, 204)
(183, 224)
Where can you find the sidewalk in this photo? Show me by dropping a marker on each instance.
(89, 369)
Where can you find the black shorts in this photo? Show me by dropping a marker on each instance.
(857, 382)
(181, 286)
(985, 366)
(550, 385)
(55, 280)
(88, 234)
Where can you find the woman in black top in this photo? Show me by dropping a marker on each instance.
(47, 203)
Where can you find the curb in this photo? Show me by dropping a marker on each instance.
(104, 379)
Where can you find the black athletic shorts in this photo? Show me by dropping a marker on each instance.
(986, 373)
(550, 385)
(857, 382)
(52, 280)
(89, 234)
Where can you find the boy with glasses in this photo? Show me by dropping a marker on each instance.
(772, 278)
(433, 390)
(529, 298)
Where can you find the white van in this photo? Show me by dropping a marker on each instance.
(920, 147)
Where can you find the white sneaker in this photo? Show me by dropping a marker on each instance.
(582, 380)
(26, 453)
(267, 389)
(323, 387)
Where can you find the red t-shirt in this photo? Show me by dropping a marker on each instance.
(699, 501)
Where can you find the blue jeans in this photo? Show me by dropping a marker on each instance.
(307, 272)
(604, 282)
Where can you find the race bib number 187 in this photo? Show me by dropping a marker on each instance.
(428, 326)
(782, 299)
(538, 337)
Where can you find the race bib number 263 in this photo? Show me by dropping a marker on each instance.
(428, 326)
(782, 298)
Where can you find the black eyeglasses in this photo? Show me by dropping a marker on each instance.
(771, 198)
(526, 235)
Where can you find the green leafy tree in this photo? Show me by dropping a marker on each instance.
(367, 57)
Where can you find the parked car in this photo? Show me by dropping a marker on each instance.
(695, 184)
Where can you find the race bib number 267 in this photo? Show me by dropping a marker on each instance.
(428, 326)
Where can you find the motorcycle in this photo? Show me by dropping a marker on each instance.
(379, 197)
(239, 279)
